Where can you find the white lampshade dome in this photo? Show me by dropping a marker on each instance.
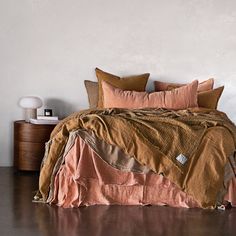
(30, 102)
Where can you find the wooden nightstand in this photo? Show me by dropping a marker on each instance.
(29, 144)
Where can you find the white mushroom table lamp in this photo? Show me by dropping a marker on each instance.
(30, 105)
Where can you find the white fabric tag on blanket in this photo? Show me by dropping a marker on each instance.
(181, 158)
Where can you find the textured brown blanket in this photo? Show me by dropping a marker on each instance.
(165, 141)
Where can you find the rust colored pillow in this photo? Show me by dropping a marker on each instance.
(180, 98)
(209, 99)
(203, 86)
(136, 83)
(92, 92)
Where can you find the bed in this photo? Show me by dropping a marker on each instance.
(142, 154)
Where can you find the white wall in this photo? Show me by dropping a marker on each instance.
(49, 47)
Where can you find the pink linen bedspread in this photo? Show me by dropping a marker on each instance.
(86, 179)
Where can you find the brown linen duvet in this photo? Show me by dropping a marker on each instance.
(149, 156)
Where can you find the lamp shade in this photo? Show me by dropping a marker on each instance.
(30, 105)
(30, 102)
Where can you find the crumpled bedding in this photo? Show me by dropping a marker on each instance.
(86, 179)
(154, 138)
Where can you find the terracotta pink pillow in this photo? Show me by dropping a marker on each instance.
(180, 98)
(202, 87)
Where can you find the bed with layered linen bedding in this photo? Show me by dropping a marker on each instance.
(169, 147)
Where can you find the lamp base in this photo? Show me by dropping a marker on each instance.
(30, 113)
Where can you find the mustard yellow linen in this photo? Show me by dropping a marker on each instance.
(155, 138)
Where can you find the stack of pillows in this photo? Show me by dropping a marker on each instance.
(112, 91)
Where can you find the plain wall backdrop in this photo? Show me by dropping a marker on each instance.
(49, 47)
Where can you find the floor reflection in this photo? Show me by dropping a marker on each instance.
(114, 220)
(133, 220)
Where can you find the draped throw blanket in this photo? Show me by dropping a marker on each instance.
(164, 141)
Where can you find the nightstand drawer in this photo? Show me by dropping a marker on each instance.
(29, 144)
(27, 132)
(29, 155)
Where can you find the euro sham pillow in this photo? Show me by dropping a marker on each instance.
(203, 86)
(180, 98)
(207, 96)
(136, 83)
(92, 92)
(209, 99)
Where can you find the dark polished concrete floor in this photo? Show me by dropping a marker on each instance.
(19, 216)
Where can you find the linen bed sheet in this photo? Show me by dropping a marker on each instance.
(77, 180)
(86, 179)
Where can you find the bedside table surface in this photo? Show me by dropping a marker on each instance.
(28, 123)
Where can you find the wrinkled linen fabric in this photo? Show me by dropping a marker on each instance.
(86, 179)
(155, 138)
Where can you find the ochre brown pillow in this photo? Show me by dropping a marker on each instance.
(92, 92)
(209, 99)
(203, 86)
(136, 83)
